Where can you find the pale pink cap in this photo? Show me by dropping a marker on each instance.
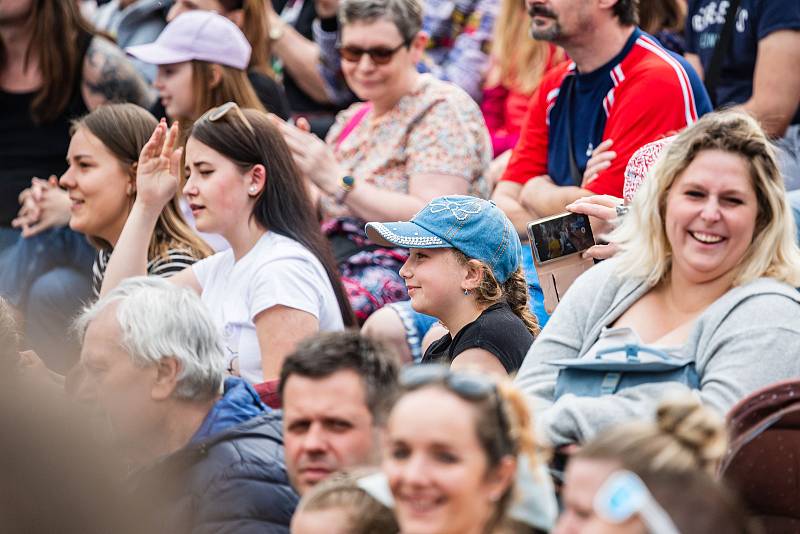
(198, 34)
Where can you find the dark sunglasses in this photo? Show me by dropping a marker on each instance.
(215, 114)
(379, 55)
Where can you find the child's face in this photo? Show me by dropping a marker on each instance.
(435, 280)
(332, 520)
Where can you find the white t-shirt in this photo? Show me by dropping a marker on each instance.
(276, 271)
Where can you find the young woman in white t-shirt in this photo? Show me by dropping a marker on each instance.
(278, 283)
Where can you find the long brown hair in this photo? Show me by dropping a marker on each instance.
(514, 291)
(255, 28)
(55, 27)
(284, 205)
(124, 130)
(657, 15)
(521, 61)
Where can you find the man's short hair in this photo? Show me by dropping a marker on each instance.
(159, 319)
(627, 11)
(328, 353)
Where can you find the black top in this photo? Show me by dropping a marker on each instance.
(497, 330)
(28, 149)
(268, 91)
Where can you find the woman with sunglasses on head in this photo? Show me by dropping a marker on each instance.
(277, 284)
(464, 268)
(413, 139)
(453, 441)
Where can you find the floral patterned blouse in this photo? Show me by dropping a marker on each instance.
(436, 129)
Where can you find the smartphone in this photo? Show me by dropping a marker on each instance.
(559, 236)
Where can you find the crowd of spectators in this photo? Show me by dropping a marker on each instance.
(272, 265)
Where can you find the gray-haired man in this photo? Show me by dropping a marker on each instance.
(207, 461)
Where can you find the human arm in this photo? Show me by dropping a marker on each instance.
(156, 184)
(300, 56)
(506, 196)
(543, 197)
(602, 213)
(478, 360)
(109, 77)
(776, 82)
(326, 35)
(279, 329)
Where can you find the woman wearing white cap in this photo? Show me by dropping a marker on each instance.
(202, 60)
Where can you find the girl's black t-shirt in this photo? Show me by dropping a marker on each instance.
(497, 330)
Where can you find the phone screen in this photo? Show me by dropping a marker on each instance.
(559, 236)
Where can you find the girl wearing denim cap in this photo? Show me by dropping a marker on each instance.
(465, 269)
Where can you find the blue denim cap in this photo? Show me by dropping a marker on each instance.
(476, 227)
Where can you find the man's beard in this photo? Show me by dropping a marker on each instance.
(550, 33)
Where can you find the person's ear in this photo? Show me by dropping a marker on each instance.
(166, 379)
(473, 275)
(130, 189)
(236, 16)
(501, 477)
(216, 76)
(258, 179)
(417, 46)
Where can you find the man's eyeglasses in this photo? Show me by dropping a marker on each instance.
(379, 55)
(215, 114)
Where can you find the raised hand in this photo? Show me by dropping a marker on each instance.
(157, 173)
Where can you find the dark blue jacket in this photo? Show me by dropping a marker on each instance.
(231, 477)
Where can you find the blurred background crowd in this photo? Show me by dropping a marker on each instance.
(266, 266)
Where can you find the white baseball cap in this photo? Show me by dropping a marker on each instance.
(198, 34)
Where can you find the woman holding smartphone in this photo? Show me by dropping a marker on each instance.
(464, 269)
(707, 270)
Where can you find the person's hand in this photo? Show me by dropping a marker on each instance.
(44, 205)
(326, 9)
(601, 159)
(602, 212)
(313, 156)
(157, 174)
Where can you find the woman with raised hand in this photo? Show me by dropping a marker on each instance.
(464, 268)
(413, 138)
(100, 184)
(706, 271)
(453, 443)
(277, 284)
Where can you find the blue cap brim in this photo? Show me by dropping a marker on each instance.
(404, 234)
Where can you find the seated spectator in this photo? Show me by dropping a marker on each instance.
(53, 68)
(277, 284)
(130, 23)
(707, 245)
(100, 184)
(517, 64)
(676, 457)
(415, 138)
(452, 446)
(250, 17)
(203, 461)
(465, 269)
(340, 505)
(336, 390)
(758, 68)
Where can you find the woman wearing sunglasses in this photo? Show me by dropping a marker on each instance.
(626, 480)
(277, 284)
(452, 446)
(412, 139)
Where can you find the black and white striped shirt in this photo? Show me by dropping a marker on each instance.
(176, 260)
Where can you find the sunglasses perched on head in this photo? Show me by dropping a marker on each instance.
(379, 55)
(215, 114)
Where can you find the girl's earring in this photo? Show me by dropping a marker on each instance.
(253, 189)
(466, 292)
